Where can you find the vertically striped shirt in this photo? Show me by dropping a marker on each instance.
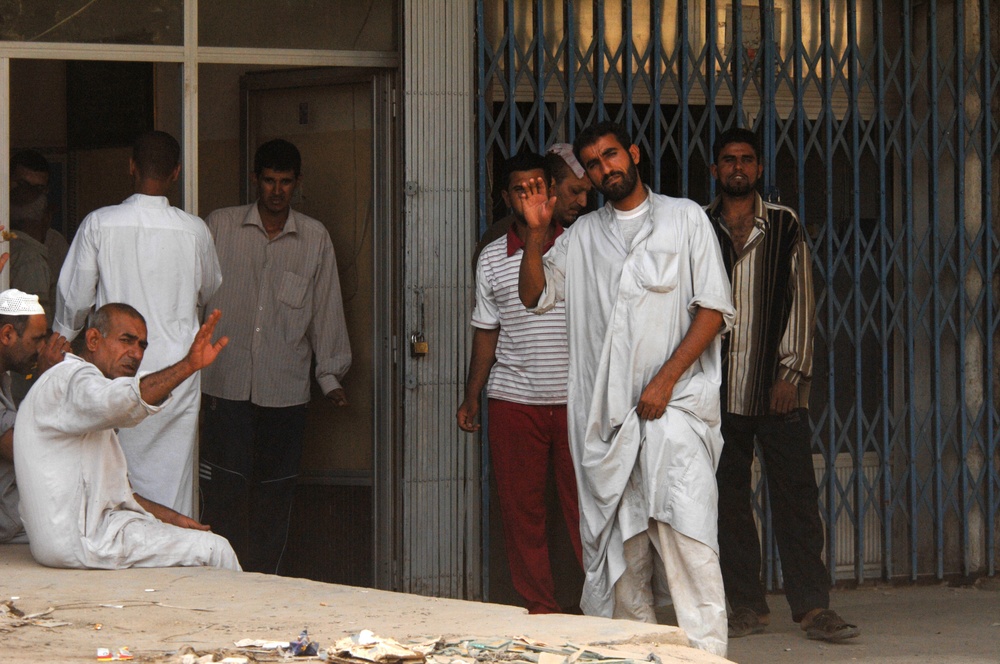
(532, 353)
(281, 308)
(775, 310)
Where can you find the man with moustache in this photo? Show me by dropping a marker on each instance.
(524, 358)
(767, 367)
(646, 297)
(283, 310)
(77, 505)
(566, 180)
(25, 347)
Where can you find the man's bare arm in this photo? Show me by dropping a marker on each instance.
(654, 399)
(167, 515)
(156, 387)
(7, 445)
(535, 205)
(484, 356)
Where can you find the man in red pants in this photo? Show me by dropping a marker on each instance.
(525, 359)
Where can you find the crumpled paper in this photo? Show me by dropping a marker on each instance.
(367, 646)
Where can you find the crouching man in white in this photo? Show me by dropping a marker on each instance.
(76, 502)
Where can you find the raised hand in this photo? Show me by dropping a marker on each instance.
(52, 353)
(533, 203)
(203, 352)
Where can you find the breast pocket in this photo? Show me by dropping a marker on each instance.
(292, 290)
(657, 271)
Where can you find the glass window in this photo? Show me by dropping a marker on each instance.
(152, 22)
(349, 25)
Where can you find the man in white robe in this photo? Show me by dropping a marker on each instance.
(25, 347)
(75, 500)
(646, 297)
(162, 261)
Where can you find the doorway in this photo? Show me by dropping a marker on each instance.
(333, 117)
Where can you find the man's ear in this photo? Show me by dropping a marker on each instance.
(8, 334)
(633, 151)
(506, 198)
(93, 337)
(176, 174)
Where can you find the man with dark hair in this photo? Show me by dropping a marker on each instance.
(29, 181)
(283, 309)
(767, 367)
(23, 349)
(160, 260)
(29, 264)
(78, 508)
(157, 154)
(646, 297)
(524, 358)
(566, 180)
(277, 155)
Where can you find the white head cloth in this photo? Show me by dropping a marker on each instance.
(565, 150)
(18, 303)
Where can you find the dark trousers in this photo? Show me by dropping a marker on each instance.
(249, 466)
(784, 443)
(525, 441)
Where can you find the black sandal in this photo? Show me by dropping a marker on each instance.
(744, 622)
(828, 626)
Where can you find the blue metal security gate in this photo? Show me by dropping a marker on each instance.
(879, 125)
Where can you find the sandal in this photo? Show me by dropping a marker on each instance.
(744, 622)
(828, 626)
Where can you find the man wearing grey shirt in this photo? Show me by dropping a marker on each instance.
(283, 307)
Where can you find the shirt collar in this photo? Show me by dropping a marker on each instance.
(145, 200)
(760, 212)
(253, 219)
(514, 242)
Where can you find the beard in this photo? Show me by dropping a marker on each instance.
(616, 191)
(739, 190)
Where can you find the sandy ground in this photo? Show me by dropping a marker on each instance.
(898, 624)
(208, 609)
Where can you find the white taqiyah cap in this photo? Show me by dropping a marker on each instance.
(18, 303)
(565, 150)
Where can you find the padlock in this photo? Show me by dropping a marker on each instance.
(418, 345)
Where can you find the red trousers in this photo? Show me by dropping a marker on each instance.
(524, 442)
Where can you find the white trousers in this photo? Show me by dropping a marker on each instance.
(694, 579)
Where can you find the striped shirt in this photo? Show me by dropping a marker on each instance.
(772, 338)
(281, 305)
(532, 353)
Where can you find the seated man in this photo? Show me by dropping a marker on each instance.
(23, 350)
(76, 503)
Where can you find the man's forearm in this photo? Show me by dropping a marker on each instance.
(484, 356)
(704, 328)
(531, 277)
(156, 387)
(656, 396)
(7, 444)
